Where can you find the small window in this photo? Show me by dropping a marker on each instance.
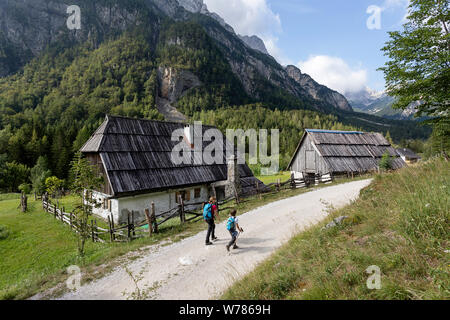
(185, 195)
(177, 197)
(104, 203)
(197, 193)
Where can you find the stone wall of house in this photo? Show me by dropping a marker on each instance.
(164, 201)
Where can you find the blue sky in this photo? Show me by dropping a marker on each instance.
(329, 39)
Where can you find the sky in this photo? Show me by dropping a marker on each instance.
(337, 42)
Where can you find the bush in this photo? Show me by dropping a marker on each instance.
(4, 233)
(386, 162)
(25, 188)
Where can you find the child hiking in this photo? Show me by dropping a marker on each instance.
(232, 227)
(209, 214)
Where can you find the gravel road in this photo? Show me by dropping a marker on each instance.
(190, 270)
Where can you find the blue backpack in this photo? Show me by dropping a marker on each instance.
(207, 211)
(231, 224)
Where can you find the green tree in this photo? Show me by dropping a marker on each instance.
(419, 65)
(84, 181)
(25, 188)
(53, 185)
(386, 162)
(39, 174)
(14, 174)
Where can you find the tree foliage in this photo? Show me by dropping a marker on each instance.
(419, 65)
(84, 179)
(53, 185)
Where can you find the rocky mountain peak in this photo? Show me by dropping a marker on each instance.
(255, 43)
(318, 91)
(194, 6)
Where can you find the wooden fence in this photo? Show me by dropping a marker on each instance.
(70, 219)
(184, 212)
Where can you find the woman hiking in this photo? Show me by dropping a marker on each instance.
(209, 215)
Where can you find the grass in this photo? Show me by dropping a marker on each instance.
(283, 176)
(400, 223)
(38, 248)
(9, 196)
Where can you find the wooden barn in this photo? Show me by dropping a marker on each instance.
(134, 158)
(408, 155)
(326, 152)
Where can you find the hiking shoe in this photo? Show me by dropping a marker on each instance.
(208, 243)
(215, 239)
(235, 247)
(228, 248)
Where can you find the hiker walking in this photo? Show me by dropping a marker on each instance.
(232, 227)
(209, 214)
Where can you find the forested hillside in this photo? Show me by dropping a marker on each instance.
(52, 105)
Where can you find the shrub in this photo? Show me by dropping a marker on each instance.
(386, 162)
(25, 188)
(4, 233)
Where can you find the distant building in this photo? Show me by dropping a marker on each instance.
(134, 157)
(408, 155)
(323, 152)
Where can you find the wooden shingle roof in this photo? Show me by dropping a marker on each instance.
(351, 151)
(136, 155)
(408, 153)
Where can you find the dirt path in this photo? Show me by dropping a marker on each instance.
(190, 270)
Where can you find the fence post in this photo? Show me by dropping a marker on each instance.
(92, 230)
(110, 229)
(128, 227)
(70, 219)
(96, 230)
(293, 186)
(236, 195)
(278, 185)
(62, 214)
(149, 222)
(132, 223)
(153, 218)
(182, 213)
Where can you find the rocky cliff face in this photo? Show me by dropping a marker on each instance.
(255, 43)
(28, 27)
(317, 91)
(172, 85)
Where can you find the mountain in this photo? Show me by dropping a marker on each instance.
(318, 91)
(379, 104)
(44, 25)
(255, 43)
(149, 59)
(362, 99)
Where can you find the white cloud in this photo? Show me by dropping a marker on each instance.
(251, 17)
(335, 73)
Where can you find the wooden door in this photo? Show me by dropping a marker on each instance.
(310, 161)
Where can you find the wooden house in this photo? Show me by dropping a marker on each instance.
(326, 152)
(134, 158)
(408, 155)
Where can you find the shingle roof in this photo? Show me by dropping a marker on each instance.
(136, 155)
(408, 153)
(351, 151)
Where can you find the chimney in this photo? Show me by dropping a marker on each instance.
(234, 179)
(189, 135)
